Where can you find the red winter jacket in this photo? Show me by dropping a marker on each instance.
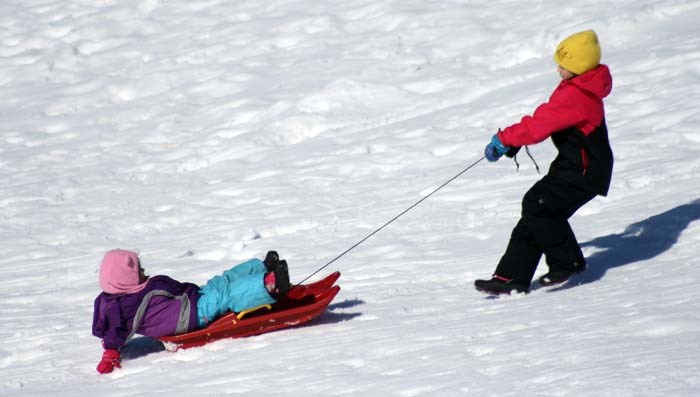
(575, 119)
(577, 102)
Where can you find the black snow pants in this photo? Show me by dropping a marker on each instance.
(544, 229)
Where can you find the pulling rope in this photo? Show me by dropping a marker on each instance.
(392, 220)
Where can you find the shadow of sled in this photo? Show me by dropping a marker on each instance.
(331, 317)
(640, 241)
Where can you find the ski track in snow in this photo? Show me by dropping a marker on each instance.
(204, 133)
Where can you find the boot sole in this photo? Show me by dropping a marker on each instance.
(550, 283)
(492, 292)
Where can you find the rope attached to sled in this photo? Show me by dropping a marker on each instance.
(392, 220)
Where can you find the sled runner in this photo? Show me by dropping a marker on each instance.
(303, 303)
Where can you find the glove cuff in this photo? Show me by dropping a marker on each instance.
(498, 145)
(111, 354)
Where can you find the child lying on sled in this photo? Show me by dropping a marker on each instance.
(133, 303)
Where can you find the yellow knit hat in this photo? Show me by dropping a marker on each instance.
(579, 52)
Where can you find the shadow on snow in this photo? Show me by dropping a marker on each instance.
(640, 241)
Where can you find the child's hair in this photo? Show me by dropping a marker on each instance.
(119, 272)
(579, 52)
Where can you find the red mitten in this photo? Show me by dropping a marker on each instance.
(110, 359)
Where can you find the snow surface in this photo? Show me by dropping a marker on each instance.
(206, 132)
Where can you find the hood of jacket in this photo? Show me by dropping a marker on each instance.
(119, 272)
(597, 82)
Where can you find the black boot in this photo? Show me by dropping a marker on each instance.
(271, 261)
(559, 276)
(281, 278)
(500, 285)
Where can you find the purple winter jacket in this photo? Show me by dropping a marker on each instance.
(164, 307)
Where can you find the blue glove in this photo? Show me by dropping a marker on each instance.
(495, 149)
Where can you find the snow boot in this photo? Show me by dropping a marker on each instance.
(271, 261)
(277, 281)
(500, 285)
(560, 276)
(282, 284)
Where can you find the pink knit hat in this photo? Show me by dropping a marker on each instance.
(119, 272)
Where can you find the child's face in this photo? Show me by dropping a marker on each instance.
(142, 274)
(565, 74)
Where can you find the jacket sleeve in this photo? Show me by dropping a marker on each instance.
(107, 324)
(558, 114)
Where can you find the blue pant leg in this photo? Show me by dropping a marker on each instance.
(247, 292)
(239, 288)
(253, 266)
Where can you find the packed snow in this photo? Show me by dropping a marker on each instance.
(205, 132)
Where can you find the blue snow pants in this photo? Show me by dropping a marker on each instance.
(237, 289)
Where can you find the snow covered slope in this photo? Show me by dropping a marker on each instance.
(206, 132)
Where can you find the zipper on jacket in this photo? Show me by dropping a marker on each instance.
(584, 160)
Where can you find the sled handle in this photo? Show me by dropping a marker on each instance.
(252, 309)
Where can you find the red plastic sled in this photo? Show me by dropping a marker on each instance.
(302, 304)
